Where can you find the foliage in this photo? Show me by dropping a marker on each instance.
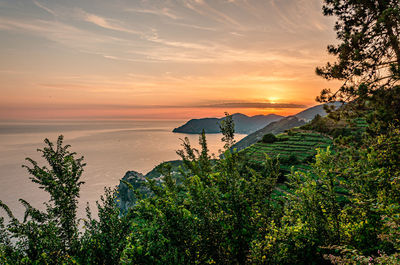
(269, 138)
(297, 149)
(104, 239)
(227, 127)
(50, 236)
(212, 217)
(368, 53)
(368, 60)
(351, 129)
(344, 208)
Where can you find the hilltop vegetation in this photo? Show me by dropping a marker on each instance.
(135, 182)
(319, 110)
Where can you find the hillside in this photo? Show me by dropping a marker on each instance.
(284, 124)
(309, 114)
(125, 197)
(296, 148)
(243, 124)
(276, 127)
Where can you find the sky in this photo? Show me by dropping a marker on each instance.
(151, 59)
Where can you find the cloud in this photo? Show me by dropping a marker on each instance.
(194, 26)
(48, 10)
(214, 44)
(73, 37)
(105, 22)
(179, 44)
(227, 105)
(166, 12)
(253, 105)
(203, 8)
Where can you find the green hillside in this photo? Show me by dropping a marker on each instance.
(284, 124)
(276, 127)
(155, 172)
(296, 148)
(353, 127)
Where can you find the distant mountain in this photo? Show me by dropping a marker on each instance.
(309, 114)
(280, 126)
(243, 124)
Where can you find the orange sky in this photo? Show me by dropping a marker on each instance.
(160, 59)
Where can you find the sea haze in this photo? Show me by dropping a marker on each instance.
(110, 149)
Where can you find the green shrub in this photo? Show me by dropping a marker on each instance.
(269, 138)
(290, 160)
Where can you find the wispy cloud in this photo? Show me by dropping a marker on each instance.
(154, 37)
(106, 23)
(232, 105)
(166, 12)
(199, 27)
(65, 34)
(48, 10)
(155, 44)
(203, 8)
(253, 105)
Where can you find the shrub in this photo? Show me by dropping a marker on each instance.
(269, 138)
(290, 160)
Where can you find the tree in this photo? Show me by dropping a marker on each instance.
(105, 237)
(50, 237)
(62, 182)
(368, 53)
(269, 138)
(227, 127)
(213, 216)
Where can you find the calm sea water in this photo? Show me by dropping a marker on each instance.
(110, 149)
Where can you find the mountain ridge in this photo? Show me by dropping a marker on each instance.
(284, 124)
(243, 124)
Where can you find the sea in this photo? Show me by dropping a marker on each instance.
(110, 149)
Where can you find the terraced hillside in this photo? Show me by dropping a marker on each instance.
(344, 128)
(296, 148)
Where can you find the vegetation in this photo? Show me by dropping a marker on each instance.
(368, 59)
(284, 124)
(345, 207)
(297, 149)
(369, 49)
(272, 128)
(339, 202)
(227, 127)
(268, 138)
(50, 236)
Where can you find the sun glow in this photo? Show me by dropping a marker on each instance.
(273, 100)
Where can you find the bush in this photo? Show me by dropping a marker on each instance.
(290, 160)
(269, 138)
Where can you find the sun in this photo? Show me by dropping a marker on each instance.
(273, 100)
